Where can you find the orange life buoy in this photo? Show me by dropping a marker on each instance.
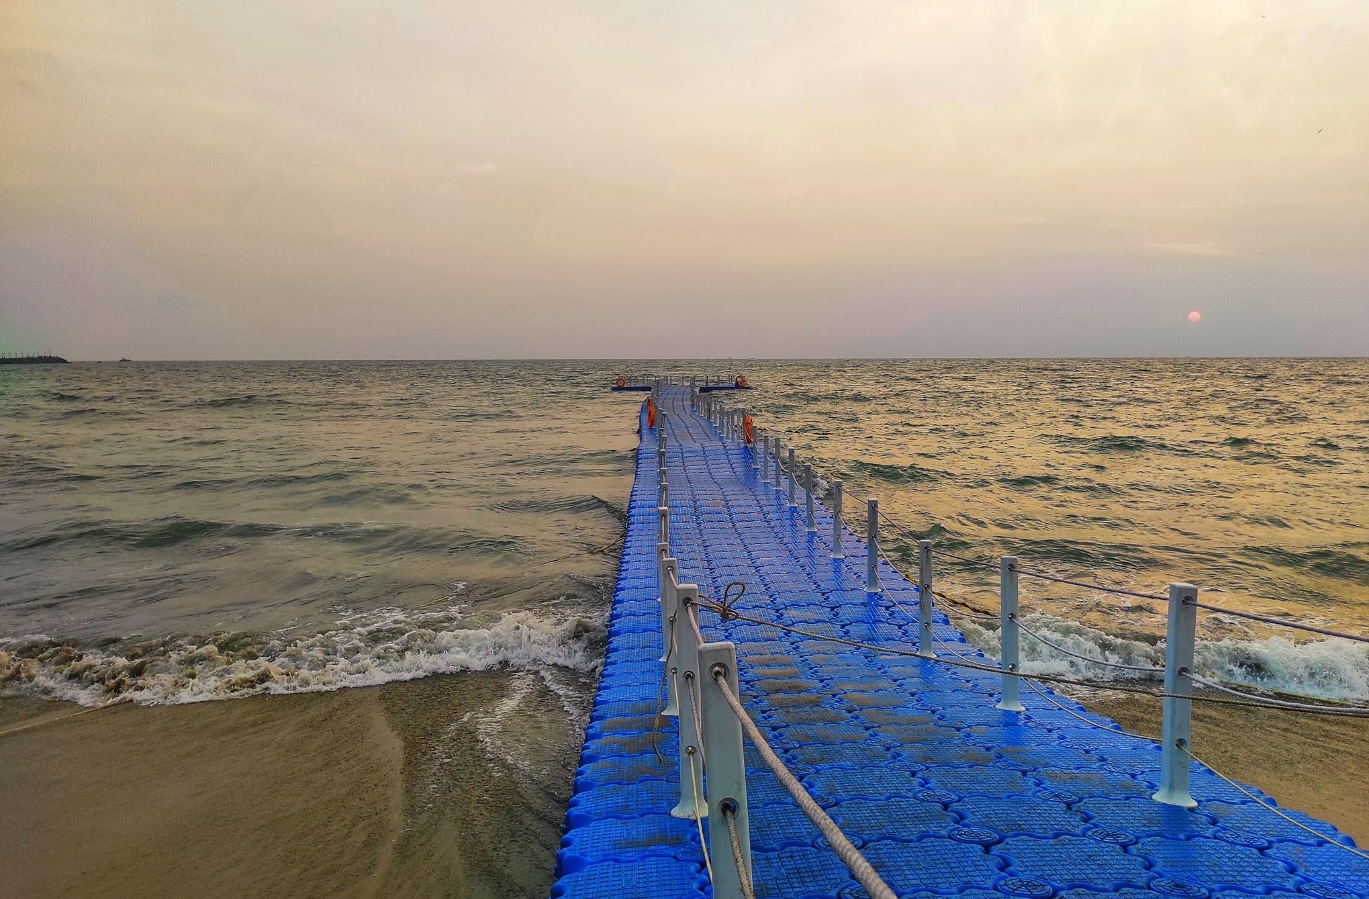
(750, 431)
(650, 412)
(741, 381)
(621, 382)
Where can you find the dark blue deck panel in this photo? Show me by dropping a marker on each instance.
(945, 795)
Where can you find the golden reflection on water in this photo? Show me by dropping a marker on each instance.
(1248, 478)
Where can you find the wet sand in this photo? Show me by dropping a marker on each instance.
(1312, 763)
(449, 786)
(399, 790)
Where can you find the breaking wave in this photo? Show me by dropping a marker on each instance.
(1332, 669)
(363, 650)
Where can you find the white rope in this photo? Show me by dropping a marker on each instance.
(850, 856)
(1269, 808)
(1091, 723)
(1148, 669)
(1325, 632)
(738, 857)
(698, 719)
(698, 820)
(1229, 781)
(1346, 712)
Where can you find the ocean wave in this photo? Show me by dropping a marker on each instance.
(246, 399)
(174, 530)
(1092, 554)
(363, 650)
(1119, 443)
(1334, 669)
(1335, 562)
(1027, 481)
(897, 474)
(149, 534)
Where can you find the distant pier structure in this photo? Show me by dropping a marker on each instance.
(26, 359)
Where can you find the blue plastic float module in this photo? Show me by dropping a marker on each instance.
(944, 794)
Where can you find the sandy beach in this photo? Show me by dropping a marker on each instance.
(1303, 761)
(386, 791)
(401, 790)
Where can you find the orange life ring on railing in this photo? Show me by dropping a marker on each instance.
(750, 431)
(650, 412)
(741, 380)
(621, 382)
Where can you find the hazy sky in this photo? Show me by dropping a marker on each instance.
(339, 178)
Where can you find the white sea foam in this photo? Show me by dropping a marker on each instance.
(363, 650)
(1328, 669)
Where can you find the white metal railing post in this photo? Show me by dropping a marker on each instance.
(1177, 731)
(837, 552)
(670, 608)
(872, 545)
(722, 743)
(757, 459)
(793, 487)
(687, 672)
(660, 450)
(663, 521)
(778, 450)
(924, 597)
(808, 498)
(1008, 650)
(664, 563)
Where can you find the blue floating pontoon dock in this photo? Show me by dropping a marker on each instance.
(943, 793)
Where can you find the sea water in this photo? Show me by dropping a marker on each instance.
(175, 532)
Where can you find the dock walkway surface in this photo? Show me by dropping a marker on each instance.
(944, 794)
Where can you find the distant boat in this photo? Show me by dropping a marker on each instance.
(122, 359)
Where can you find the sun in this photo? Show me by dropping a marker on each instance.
(1195, 316)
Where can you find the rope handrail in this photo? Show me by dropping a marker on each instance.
(964, 609)
(727, 611)
(738, 857)
(1122, 591)
(1148, 669)
(1296, 625)
(1103, 588)
(698, 818)
(692, 615)
(1279, 703)
(1347, 711)
(1041, 575)
(734, 615)
(1269, 808)
(1256, 799)
(969, 611)
(850, 856)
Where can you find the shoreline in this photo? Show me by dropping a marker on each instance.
(1302, 761)
(417, 788)
(409, 789)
